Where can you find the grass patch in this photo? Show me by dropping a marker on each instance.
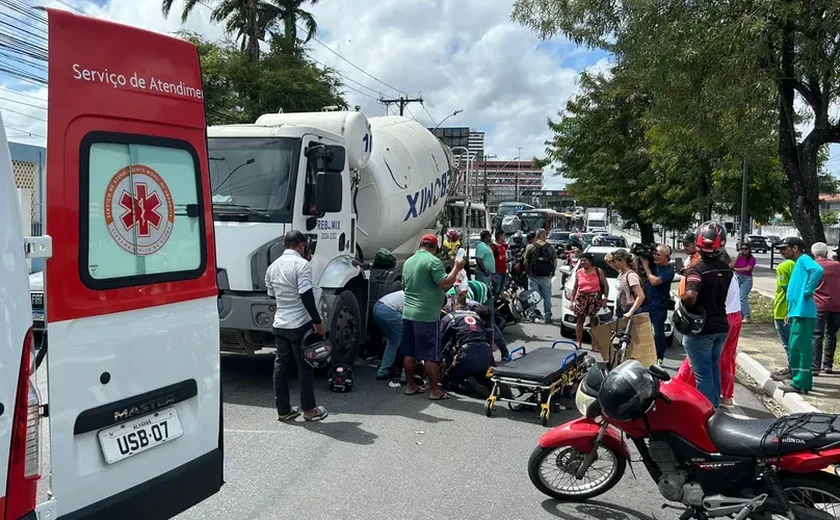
(761, 308)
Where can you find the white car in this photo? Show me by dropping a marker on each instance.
(568, 319)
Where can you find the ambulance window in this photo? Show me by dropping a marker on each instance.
(143, 201)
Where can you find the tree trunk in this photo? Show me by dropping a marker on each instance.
(291, 32)
(646, 230)
(253, 37)
(799, 162)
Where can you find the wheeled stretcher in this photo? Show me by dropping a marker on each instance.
(533, 380)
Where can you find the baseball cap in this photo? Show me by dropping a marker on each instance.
(430, 239)
(790, 242)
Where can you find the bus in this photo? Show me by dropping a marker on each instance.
(508, 209)
(547, 219)
(457, 217)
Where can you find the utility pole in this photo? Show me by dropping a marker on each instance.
(518, 163)
(486, 188)
(401, 101)
(744, 188)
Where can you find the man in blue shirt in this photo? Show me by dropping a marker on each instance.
(657, 286)
(802, 312)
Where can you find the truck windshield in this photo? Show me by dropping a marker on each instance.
(597, 223)
(528, 223)
(253, 178)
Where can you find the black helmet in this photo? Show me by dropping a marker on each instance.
(628, 392)
(340, 378)
(711, 238)
(688, 322)
(317, 351)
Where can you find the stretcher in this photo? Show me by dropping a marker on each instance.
(533, 380)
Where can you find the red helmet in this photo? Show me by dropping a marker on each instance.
(711, 238)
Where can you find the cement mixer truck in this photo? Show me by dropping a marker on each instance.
(351, 184)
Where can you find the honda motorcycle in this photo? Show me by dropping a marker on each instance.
(713, 464)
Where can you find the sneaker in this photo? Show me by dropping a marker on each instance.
(548, 321)
(659, 361)
(789, 388)
(828, 370)
(746, 320)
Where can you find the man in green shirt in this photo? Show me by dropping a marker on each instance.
(780, 310)
(485, 260)
(424, 283)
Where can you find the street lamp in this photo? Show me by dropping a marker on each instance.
(519, 156)
(467, 204)
(453, 114)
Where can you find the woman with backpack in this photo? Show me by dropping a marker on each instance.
(589, 294)
(629, 285)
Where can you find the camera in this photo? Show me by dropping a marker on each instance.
(643, 251)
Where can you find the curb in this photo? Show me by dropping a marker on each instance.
(790, 402)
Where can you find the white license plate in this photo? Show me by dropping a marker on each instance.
(37, 316)
(144, 433)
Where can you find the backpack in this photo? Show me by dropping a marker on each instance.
(541, 264)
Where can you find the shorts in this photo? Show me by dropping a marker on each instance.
(421, 340)
(587, 304)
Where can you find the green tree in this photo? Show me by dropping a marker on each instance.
(749, 59)
(288, 12)
(237, 90)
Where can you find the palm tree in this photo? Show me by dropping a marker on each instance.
(289, 12)
(248, 19)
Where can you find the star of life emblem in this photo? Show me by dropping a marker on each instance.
(139, 211)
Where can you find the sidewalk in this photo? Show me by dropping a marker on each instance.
(760, 352)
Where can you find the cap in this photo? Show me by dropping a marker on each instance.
(791, 241)
(689, 238)
(430, 239)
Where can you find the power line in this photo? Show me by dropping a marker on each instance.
(24, 131)
(23, 114)
(399, 91)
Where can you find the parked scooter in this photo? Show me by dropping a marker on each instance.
(711, 463)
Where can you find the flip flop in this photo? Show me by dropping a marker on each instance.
(443, 397)
(322, 414)
(419, 390)
(291, 415)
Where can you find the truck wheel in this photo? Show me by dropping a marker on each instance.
(345, 328)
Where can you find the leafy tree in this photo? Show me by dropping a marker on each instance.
(728, 71)
(239, 91)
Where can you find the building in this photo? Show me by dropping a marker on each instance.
(455, 136)
(499, 179)
(28, 165)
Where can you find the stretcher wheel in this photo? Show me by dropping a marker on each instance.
(545, 414)
(488, 408)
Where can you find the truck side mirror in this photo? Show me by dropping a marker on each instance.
(335, 159)
(328, 192)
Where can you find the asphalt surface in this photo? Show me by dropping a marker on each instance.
(381, 454)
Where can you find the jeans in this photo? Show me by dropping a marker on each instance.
(391, 323)
(657, 320)
(745, 284)
(499, 282)
(827, 325)
(784, 336)
(542, 284)
(289, 346)
(704, 355)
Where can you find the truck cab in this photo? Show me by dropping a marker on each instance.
(321, 174)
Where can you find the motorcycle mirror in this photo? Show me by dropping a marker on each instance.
(659, 373)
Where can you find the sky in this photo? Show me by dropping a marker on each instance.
(457, 55)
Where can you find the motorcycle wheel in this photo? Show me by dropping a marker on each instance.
(811, 496)
(564, 462)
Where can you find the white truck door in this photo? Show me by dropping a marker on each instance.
(133, 362)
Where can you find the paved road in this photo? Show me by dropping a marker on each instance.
(384, 455)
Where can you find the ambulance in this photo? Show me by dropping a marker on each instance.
(132, 415)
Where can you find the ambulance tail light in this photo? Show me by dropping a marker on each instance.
(25, 456)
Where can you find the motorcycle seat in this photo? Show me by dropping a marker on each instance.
(773, 437)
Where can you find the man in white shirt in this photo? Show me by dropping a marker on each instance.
(388, 313)
(289, 280)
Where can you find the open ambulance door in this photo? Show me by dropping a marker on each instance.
(133, 364)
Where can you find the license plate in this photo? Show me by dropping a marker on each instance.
(144, 433)
(37, 316)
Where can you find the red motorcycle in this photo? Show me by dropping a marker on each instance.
(714, 464)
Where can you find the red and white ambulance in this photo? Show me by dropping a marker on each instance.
(133, 401)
